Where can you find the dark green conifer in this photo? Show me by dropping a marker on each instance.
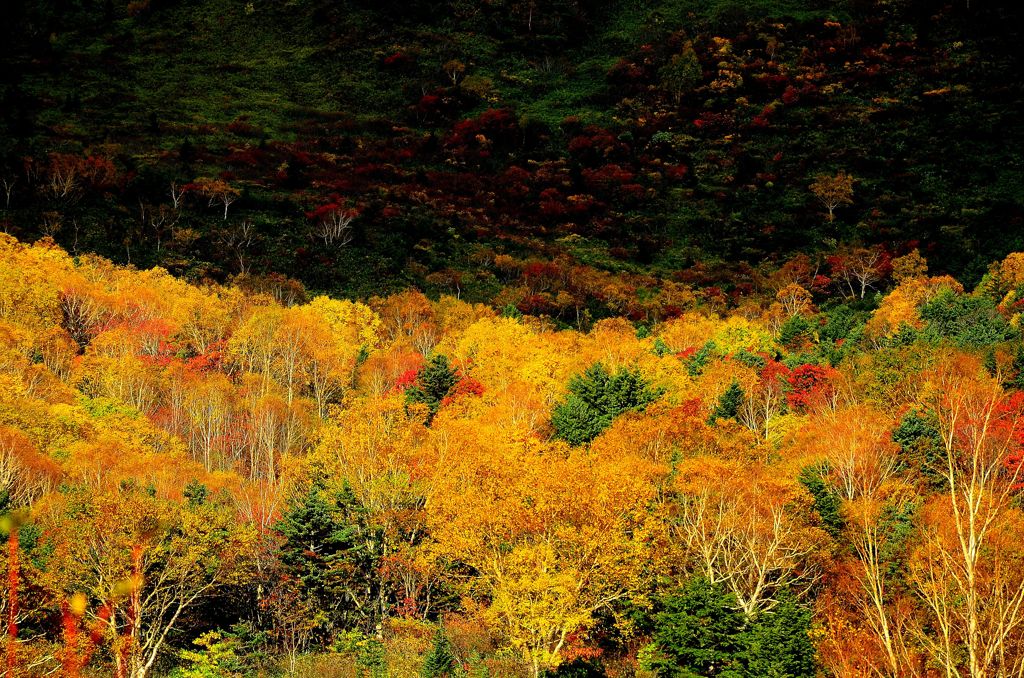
(728, 403)
(440, 662)
(434, 382)
(595, 398)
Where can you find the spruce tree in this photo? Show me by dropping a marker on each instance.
(778, 643)
(699, 633)
(728, 403)
(595, 398)
(577, 422)
(699, 360)
(440, 662)
(1016, 380)
(328, 549)
(826, 502)
(434, 382)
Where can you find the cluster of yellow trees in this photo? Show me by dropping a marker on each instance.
(154, 432)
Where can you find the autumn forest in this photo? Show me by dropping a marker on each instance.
(501, 339)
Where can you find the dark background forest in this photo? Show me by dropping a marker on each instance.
(669, 140)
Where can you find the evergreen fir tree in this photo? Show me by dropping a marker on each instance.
(989, 362)
(328, 549)
(778, 643)
(795, 332)
(699, 360)
(595, 398)
(728, 403)
(434, 382)
(826, 503)
(440, 662)
(1016, 379)
(699, 633)
(921, 446)
(577, 422)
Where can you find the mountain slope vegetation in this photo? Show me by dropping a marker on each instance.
(504, 338)
(676, 140)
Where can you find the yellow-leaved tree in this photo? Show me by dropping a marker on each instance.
(552, 533)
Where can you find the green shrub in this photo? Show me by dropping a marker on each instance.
(967, 321)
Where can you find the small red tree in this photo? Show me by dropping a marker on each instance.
(811, 387)
(859, 268)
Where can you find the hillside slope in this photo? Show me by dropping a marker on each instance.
(642, 137)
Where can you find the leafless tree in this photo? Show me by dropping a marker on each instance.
(335, 227)
(177, 194)
(63, 183)
(160, 220)
(51, 224)
(239, 240)
(8, 184)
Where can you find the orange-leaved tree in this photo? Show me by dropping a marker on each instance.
(966, 568)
